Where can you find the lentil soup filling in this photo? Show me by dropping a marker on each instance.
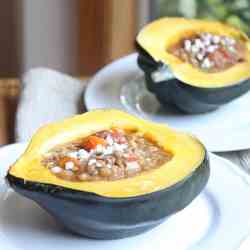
(210, 52)
(106, 155)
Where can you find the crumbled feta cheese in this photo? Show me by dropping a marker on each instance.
(99, 164)
(69, 165)
(198, 43)
(187, 45)
(207, 43)
(73, 154)
(119, 147)
(92, 151)
(232, 49)
(109, 140)
(200, 56)
(108, 150)
(206, 64)
(229, 41)
(195, 49)
(92, 162)
(211, 48)
(108, 165)
(83, 154)
(99, 149)
(56, 170)
(133, 165)
(216, 39)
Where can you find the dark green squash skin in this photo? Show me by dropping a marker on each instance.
(187, 98)
(99, 217)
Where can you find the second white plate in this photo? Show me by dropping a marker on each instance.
(218, 219)
(121, 85)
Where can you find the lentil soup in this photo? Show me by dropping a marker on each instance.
(106, 155)
(210, 52)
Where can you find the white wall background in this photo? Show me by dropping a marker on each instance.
(48, 34)
(43, 33)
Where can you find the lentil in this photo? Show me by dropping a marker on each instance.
(210, 52)
(107, 155)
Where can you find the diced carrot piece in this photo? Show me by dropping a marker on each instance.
(92, 141)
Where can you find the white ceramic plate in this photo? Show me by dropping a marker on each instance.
(216, 220)
(121, 85)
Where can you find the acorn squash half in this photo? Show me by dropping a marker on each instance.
(112, 209)
(175, 81)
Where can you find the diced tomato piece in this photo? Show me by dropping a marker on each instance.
(131, 157)
(93, 141)
(220, 58)
(227, 55)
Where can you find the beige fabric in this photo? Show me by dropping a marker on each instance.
(47, 96)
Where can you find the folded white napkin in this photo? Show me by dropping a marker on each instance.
(47, 96)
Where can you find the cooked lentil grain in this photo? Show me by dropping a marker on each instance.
(210, 52)
(107, 155)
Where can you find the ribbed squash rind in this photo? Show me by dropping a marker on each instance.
(30, 168)
(115, 209)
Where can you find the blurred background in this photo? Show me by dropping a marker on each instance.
(234, 12)
(81, 36)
